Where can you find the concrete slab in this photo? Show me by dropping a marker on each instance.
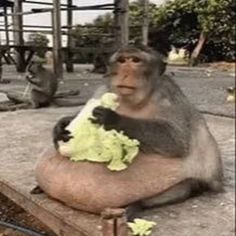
(24, 134)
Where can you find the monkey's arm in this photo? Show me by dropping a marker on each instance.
(158, 136)
(32, 79)
(59, 131)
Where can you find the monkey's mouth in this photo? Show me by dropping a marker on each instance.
(125, 89)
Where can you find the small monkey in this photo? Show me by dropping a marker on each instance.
(153, 109)
(42, 88)
(44, 84)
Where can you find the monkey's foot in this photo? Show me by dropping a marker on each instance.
(133, 210)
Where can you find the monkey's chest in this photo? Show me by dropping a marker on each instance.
(147, 112)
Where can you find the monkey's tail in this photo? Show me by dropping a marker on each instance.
(63, 102)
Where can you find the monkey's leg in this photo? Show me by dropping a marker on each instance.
(175, 194)
(133, 210)
(39, 99)
(17, 98)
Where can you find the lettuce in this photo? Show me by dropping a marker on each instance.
(91, 142)
(141, 227)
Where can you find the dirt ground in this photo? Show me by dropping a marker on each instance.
(206, 215)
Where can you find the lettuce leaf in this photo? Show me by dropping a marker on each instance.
(141, 227)
(91, 142)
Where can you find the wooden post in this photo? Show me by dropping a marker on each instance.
(145, 5)
(18, 36)
(0, 62)
(69, 64)
(57, 54)
(114, 222)
(6, 26)
(116, 24)
(122, 22)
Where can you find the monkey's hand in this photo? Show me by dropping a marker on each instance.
(59, 131)
(106, 117)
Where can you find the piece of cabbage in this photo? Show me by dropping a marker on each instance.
(141, 227)
(91, 142)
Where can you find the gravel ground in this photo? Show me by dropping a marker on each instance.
(207, 215)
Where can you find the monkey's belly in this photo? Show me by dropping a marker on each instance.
(92, 187)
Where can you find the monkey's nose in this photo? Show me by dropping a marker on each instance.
(124, 77)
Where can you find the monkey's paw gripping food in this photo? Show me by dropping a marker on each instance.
(91, 142)
(141, 227)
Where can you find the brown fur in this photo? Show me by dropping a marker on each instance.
(154, 110)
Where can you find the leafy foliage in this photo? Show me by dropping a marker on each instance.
(184, 20)
(98, 34)
(92, 34)
(178, 22)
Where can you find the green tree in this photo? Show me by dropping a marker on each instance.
(40, 42)
(136, 18)
(204, 26)
(205, 19)
(98, 34)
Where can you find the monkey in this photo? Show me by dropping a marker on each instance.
(100, 63)
(154, 110)
(43, 87)
(44, 84)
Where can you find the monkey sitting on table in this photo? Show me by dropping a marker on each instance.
(154, 111)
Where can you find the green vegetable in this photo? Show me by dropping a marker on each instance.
(91, 142)
(141, 227)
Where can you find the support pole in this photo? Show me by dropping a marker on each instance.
(6, 26)
(145, 5)
(0, 62)
(114, 222)
(121, 19)
(18, 36)
(69, 64)
(57, 52)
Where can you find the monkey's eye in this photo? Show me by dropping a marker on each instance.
(136, 59)
(121, 59)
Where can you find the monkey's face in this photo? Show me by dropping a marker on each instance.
(126, 79)
(131, 73)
